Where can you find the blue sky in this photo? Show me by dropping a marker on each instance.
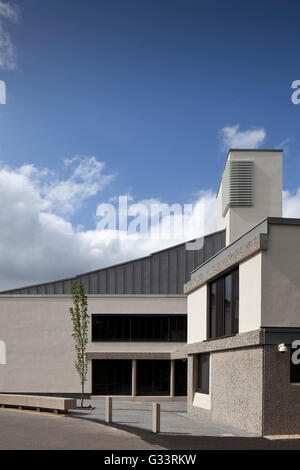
(146, 87)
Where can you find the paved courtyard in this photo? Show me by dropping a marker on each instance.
(174, 418)
(29, 430)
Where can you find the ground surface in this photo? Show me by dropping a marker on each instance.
(33, 431)
(174, 418)
(29, 430)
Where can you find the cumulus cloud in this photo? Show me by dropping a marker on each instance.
(38, 240)
(87, 179)
(291, 204)
(232, 137)
(8, 11)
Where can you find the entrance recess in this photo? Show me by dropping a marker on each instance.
(180, 377)
(153, 378)
(112, 377)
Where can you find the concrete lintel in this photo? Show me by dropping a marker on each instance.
(241, 340)
(128, 355)
(179, 353)
(226, 259)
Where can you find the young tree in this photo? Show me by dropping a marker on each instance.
(80, 320)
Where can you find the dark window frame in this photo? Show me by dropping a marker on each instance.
(172, 328)
(294, 368)
(153, 377)
(216, 320)
(203, 361)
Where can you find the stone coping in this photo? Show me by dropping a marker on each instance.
(225, 260)
(241, 340)
(34, 401)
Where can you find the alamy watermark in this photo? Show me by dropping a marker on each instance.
(295, 357)
(2, 352)
(2, 92)
(152, 220)
(295, 97)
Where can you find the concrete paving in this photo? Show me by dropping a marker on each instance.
(174, 418)
(26, 430)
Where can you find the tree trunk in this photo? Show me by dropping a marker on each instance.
(82, 394)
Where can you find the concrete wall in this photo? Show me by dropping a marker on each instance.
(281, 277)
(236, 388)
(281, 398)
(39, 346)
(236, 393)
(267, 190)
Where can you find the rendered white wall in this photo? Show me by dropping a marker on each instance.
(281, 277)
(267, 192)
(39, 346)
(202, 400)
(197, 315)
(250, 294)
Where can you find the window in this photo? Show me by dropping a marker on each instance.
(295, 368)
(203, 373)
(111, 377)
(139, 328)
(153, 377)
(224, 305)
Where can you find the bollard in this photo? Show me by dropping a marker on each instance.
(156, 417)
(108, 417)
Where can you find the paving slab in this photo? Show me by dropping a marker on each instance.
(174, 418)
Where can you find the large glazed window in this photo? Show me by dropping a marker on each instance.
(203, 373)
(223, 309)
(153, 377)
(111, 377)
(139, 328)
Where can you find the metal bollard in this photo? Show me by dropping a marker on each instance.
(156, 417)
(108, 417)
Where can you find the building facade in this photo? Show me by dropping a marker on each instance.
(218, 324)
(138, 316)
(243, 306)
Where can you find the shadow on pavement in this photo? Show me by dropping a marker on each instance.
(190, 442)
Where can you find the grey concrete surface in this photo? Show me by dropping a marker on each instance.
(174, 419)
(20, 430)
(33, 431)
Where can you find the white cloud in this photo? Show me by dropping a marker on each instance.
(232, 137)
(39, 243)
(291, 204)
(87, 179)
(8, 11)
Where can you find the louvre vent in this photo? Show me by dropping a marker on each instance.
(238, 184)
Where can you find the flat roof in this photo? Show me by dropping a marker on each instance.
(257, 228)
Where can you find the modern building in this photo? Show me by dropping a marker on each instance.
(217, 323)
(243, 305)
(138, 317)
